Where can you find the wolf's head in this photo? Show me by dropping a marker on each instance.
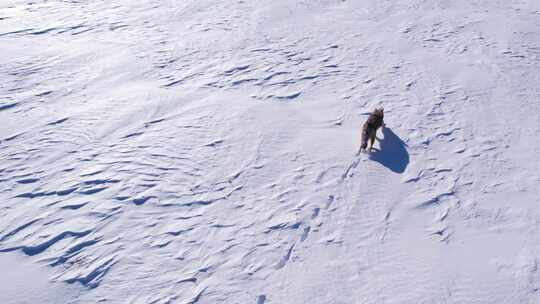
(379, 112)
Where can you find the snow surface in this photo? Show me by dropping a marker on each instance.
(29, 283)
(205, 151)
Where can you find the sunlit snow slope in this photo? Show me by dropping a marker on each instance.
(205, 151)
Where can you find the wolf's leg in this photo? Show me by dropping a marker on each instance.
(371, 141)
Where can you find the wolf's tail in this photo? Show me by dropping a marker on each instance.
(365, 136)
(363, 146)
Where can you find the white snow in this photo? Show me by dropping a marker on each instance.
(205, 151)
(23, 281)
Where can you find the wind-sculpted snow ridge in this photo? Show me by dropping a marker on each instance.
(205, 152)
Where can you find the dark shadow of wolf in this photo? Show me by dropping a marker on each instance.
(392, 152)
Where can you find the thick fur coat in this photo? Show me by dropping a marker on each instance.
(369, 130)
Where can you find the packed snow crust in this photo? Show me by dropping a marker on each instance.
(206, 151)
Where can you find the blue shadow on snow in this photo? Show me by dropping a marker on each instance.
(392, 153)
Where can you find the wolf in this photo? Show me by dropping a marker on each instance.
(369, 130)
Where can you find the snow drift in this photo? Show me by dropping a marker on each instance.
(205, 151)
